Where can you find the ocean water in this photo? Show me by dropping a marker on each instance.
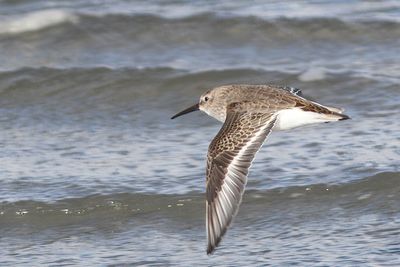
(93, 172)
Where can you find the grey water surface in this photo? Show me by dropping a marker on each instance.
(94, 173)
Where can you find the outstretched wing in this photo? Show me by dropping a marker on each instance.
(229, 158)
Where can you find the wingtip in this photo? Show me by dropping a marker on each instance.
(212, 247)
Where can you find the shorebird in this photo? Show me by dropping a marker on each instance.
(249, 114)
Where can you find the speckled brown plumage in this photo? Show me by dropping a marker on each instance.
(249, 113)
(228, 161)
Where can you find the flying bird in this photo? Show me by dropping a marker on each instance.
(249, 113)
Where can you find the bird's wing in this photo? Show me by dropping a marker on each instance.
(229, 158)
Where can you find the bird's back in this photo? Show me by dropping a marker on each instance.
(269, 98)
(290, 107)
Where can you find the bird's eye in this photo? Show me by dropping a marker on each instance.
(206, 98)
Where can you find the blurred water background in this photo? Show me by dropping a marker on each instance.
(93, 172)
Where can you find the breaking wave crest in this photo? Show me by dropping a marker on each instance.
(36, 21)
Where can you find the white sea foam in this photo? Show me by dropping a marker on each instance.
(307, 9)
(36, 21)
(313, 74)
(261, 9)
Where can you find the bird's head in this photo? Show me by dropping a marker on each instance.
(213, 102)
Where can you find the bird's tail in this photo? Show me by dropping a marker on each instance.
(335, 114)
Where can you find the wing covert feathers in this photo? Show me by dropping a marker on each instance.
(229, 158)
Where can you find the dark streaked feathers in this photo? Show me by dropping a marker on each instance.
(229, 158)
(249, 113)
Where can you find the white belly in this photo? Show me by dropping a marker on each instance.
(296, 117)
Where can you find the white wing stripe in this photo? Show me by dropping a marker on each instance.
(231, 168)
(219, 211)
(234, 175)
(252, 141)
(229, 192)
(222, 201)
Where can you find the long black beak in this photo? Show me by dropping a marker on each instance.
(183, 112)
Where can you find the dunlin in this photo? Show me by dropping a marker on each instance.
(249, 113)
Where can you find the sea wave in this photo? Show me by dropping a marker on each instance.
(266, 10)
(31, 85)
(369, 191)
(279, 27)
(36, 21)
(312, 48)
